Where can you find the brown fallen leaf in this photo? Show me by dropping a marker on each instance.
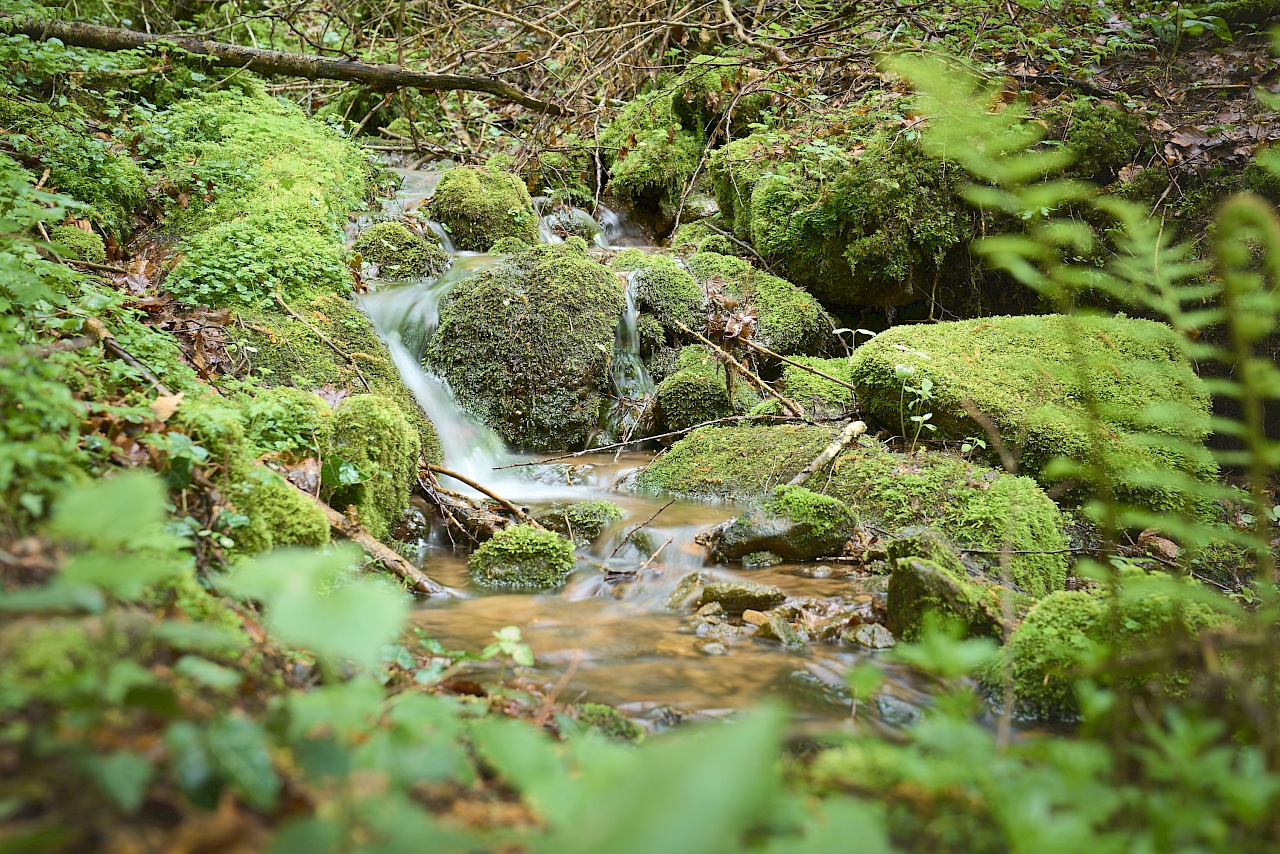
(1188, 136)
(165, 405)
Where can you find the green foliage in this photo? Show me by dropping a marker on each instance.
(526, 345)
(399, 253)
(522, 557)
(78, 244)
(479, 206)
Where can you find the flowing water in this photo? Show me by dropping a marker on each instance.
(609, 626)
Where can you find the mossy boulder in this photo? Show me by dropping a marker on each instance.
(522, 557)
(699, 236)
(78, 244)
(793, 523)
(399, 253)
(478, 206)
(1069, 630)
(526, 345)
(609, 722)
(1032, 375)
(664, 290)
(789, 321)
(650, 155)
(859, 217)
(695, 392)
(1102, 138)
(977, 506)
(708, 93)
(582, 521)
(371, 434)
(816, 393)
(288, 422)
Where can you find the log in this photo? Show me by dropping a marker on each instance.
(221, 55)
(851, 430)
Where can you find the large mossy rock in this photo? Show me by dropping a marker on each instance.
(522, 557)
(399, 253)
(371, 434)
(526, 345)
(793, 523)
(650, 155)
(974, 505)
(788, 320)
(664, 289)
(480, 206)
(1068, 630)
(1032, 377)
(695, 392)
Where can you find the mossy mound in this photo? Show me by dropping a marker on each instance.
(88, 169)
(1068, 630)
(1021, 372)
(860, 217)
(664, 290)
(78, 244)
(975, 505)
(371, 433)
(709, 91)
(285, 421)
(1103, 138)
(789, 321)
(609, 722)
(699, 236)
(918, 586)
(582, 521)
(694, 393)
(399, 253)
(522, 558)
(650, 155)
(818, 393)
(478, 206)
(526, 345)
(792, 523)
(258, 185)
(281, 350)
(271, 513)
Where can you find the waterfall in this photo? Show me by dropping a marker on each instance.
(628, 377)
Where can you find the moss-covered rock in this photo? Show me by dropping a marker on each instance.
(582, 521)
(399, 253)
(1024, 374)
(609, 722)
(649, 153)
(793, 523)
(817, 393)
(479, 206)
(703, 588)
(1101, 137)
(371, 434)
(694, 393)
(699, 236)
(873, 227)
(975, 505)
(789, 321)
(522, 557)
(708, 92)
(1067, 631)
(918, 586)
(526, 345)
(78, 244)
(664, 290)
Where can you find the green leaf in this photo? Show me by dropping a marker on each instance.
(239, 748)
(123, 776)
(207, 673)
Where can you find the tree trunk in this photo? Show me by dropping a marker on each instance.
(220, 55)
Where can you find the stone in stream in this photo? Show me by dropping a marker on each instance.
(777, 628)
(479, 206)
(399, 253)
(522, 558)
(793, 523)
(700, 588)
(870, 635)
(581, 521)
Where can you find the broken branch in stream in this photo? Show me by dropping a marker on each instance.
(631, 533)
(268, 62)
(759, 384)
(513, 509)
(851, 430)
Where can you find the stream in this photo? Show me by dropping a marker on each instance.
(624, 646)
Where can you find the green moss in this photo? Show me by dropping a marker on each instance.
(816, 518)
(509, 246)
(54, 658)
(372, 434)
(526, 345)
(918, 586)
(582, 521)
(1067, 631)
(82, 166)
(79, 244)
(694, 393)
(286, 421)
(1102, 138)
(699, 236)
(653, 337)
(664, 289)
(789, 321)
(873, 228)
(523, 558)
(399, 253)
(811, 390)
(649, 154)
(258, 187)
(975, 505)
(609, 722)
(1021, 372)
(280, 350)
(478, 206)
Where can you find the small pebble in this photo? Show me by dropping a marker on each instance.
(754, 618)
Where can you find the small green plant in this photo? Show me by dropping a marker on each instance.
(921, 393)
(510, 645)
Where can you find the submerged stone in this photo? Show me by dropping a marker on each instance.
(871, 635)
(522, 558)
(581, 521)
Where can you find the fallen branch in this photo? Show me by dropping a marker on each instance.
(356, 533)
(760, 348)
(220, 55)
(618, 548)
(755, 381)
(851, 430)
(511, 508)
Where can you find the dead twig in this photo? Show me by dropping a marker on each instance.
(755, 381)
(760, 348)
(344, 354)
(630, 533)
(511, 508)
(851, 430)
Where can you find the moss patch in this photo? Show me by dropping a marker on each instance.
(582, 521)
(523, 558)
(815, 392)
(694, 393)
(479, 206)
(609, 722)
(1102, 138)
(526, 345)
(78, 243)
(649, 153)
(371, 433)
(789, 321)
(399, 253)
(664, 290)
(1021, 372)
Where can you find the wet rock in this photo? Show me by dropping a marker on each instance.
(793, 523)
(894, 712)
(711, 647)
(581, 521)
(720, 629)
(870, 635)
(479, 206)
(709, 611)
(811, 692)
(918, 586)
(760, 560)
(522, 558)
(754, 618)
(739, 596)
(778, 629)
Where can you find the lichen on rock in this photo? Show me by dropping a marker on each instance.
(522, 557)
(479, 206)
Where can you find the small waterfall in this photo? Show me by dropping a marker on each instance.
(629, 378)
